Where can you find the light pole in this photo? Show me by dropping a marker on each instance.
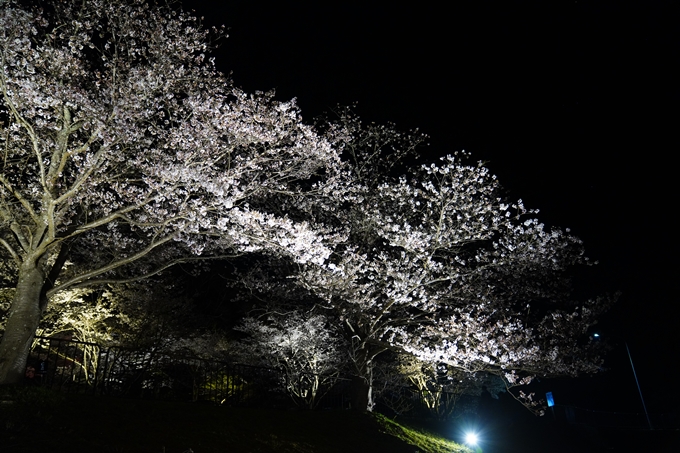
(630, 358)
(644, 406)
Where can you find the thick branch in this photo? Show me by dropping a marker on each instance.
(16, 229)
(23, 201)
(109, 267)
(53, 274)
(83, 176)
(11, 250)
(27, 126)
(156, 271)
(103, 221)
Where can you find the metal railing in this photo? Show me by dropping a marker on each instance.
(87, 368)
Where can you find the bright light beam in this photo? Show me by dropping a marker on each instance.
(471, 439)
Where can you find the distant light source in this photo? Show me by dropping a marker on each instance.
(549, 399)
(471, 439)
(596, 335)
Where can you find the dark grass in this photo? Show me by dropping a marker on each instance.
(34, 420)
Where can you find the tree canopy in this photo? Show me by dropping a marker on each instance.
(126, 152)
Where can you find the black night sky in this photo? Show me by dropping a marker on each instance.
(571, 103)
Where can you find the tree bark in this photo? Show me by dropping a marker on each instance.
(23, 320)
(361, 390)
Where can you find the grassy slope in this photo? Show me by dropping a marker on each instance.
(40, 422)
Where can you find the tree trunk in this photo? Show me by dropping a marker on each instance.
(24, 317)
(361, 390)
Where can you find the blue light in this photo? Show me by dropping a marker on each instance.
(549, 398)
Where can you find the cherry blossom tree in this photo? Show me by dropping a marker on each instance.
(303, 345)
(152, 314)
(438, 389)
(124, 151)
(441, 267)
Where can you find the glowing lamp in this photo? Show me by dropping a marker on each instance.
(471, 439)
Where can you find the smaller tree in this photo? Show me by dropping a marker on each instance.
(83, 314)
(303, 346)
(405, 384)
(441, 387)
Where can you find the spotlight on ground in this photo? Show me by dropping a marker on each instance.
(471, 439)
